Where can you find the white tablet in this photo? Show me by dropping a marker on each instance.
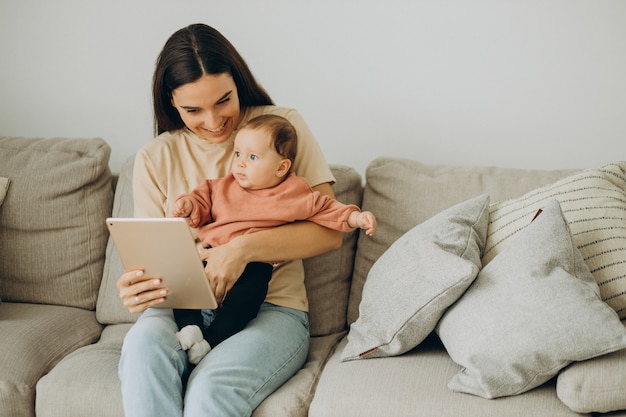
(165, 248)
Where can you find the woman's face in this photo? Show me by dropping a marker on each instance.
(209, 107)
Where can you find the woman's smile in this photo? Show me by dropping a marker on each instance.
(219, 129)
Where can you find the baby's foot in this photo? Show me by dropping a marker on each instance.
(192, 340)
(189, 335)
(198, 351)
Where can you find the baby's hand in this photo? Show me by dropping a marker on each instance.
(366, 220)
(182, 207)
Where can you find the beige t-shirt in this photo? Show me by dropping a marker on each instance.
(176, 162)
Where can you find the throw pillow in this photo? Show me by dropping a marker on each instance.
(421, 274)
(594, 386)
(594, 205)
(533, 310)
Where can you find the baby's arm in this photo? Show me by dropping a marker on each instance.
(195, 206)
(365, 220)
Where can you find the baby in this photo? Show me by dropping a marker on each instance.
(260, 192)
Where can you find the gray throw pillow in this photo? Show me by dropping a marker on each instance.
(594, 205)
(531, 311)
(417, 279)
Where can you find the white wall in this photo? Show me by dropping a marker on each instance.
(528, 83)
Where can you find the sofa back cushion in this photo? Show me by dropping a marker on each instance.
(4, 187)
(404, 193)
(327, 276)
(110, 309)
(52, 231)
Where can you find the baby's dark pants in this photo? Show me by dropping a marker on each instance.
(241, 304)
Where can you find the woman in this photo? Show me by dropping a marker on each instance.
(203, 91)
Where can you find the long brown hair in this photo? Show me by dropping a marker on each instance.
(190, 53)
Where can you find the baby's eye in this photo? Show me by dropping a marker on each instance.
(254, 157)
(237, 154)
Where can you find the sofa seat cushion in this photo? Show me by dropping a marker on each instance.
(86, 382)
(294, 397)
(415, 385)
(52, 233)
(33, 339)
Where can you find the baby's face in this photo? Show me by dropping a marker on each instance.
(256, 164)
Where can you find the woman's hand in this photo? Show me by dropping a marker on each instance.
(224, 265)
(138, 293)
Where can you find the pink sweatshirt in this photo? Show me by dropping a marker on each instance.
(222, 209)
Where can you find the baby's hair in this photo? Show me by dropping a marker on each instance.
(283, 133)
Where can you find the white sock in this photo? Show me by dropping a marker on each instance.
(198, 351)
(189, 335)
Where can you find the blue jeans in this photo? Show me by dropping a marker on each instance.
(232, 380)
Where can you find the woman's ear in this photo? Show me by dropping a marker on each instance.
(283, 167)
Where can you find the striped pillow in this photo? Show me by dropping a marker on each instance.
(594, 205)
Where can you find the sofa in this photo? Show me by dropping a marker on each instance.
(435, 315)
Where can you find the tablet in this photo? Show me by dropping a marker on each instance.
(165, 248)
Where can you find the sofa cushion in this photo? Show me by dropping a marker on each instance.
(85, 383)
(414, 384)
(408, 192)
(531, 311)
(33, 339)
(596, 385)
(417, 279)
(294, 397)
(327, 276)
(52, 235)
(109, 309)
(4, 186)
(594, 205)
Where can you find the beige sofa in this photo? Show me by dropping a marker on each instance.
(62, 324)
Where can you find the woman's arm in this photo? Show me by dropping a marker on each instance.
(298, 240)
